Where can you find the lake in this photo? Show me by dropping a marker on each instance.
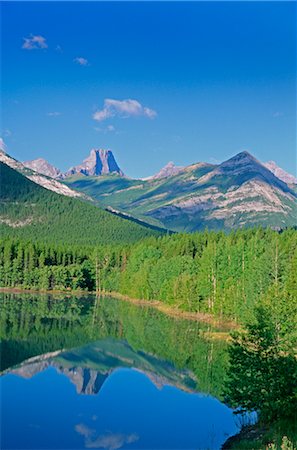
(93, 372)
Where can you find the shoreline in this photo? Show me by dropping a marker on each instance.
(250, 433)
(171, 311)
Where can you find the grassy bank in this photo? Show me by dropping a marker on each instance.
(172, 311)
(279, 436)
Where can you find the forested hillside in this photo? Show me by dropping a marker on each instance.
(224, 275)
(29, 211)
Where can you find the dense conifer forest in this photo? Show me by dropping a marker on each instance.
(29, 211)
(222, 274)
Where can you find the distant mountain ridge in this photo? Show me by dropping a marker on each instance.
(99, 162)
(238, 192)
(102, 162)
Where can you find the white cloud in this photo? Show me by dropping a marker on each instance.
(123, 109)
(81, 61)
(84, 430)
(34, 42)
(108, 441)
(111, 441)
(102, 115)
(54, 114)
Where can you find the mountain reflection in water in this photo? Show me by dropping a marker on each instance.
(148, 381)
(89, 366)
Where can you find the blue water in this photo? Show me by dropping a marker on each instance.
(129, 411)
(77, 373)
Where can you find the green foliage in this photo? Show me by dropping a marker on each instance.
(215, 273)
(285, 445)
(280, 435)
(263, 367)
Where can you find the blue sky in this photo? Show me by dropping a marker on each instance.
(154, 82)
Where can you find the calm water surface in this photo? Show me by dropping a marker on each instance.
(101, 373)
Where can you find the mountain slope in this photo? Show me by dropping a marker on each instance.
(239, 192)
(29, 211)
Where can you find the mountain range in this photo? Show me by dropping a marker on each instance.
(241, 191)
(99, 162)
(29, 209)
(102, 162)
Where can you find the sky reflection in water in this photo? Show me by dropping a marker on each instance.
(129, 411)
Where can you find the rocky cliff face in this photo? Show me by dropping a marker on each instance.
(87, 381)
(99, 162)
(43, 167)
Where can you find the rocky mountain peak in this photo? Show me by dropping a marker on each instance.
(280, 173)
(243, 168)
(240, 159)
(99, 162)
(42, 166)
(167, 171)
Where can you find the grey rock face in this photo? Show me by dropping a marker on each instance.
(40, 165)
(99, 162)
(87, 381)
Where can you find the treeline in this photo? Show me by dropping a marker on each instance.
(212, 272)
